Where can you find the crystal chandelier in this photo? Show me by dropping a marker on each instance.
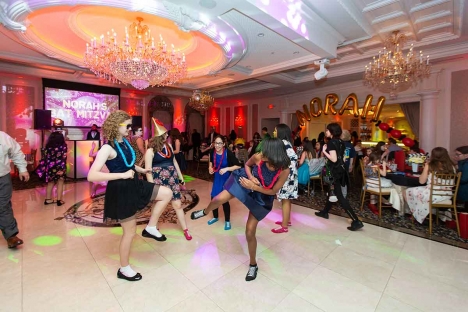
(201, 100)
(393, 71)
(138, 60)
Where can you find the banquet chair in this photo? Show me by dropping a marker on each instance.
(444, 185)
(372, 187)
(313, 179)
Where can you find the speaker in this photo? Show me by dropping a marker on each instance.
(42, 119)
(137, 121)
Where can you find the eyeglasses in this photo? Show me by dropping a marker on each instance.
(218, 143)
(458, 155)
(129, 126)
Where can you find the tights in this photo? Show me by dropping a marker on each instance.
(343, 201)
(226, 209)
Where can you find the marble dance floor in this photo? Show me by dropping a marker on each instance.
(317, 266)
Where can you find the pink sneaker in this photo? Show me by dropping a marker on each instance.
(280, 230)
(281, 222)
(187, 235)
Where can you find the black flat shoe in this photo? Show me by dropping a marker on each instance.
(134, 278)
(322, 214)
(49, 202)
(356, 225)
(159, 239)
(60, 202)
(252, 274)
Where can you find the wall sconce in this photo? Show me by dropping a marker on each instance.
(239, 121)
(214, 121)
(271, 106)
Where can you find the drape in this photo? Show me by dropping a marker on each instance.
(411, 111)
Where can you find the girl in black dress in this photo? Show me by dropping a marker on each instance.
(255, 186)
(125, 193)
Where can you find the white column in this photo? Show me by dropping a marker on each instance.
(284, 118)
(428, 120)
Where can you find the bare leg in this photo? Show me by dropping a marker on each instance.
(129, 228)
(177, 205)
(286, 207)
(220, 199)
(163, 198)
(49, 188)
(250, 231)
(60, 183)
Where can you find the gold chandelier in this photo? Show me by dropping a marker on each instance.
(393, 71)
(201, 100)
(138, 60)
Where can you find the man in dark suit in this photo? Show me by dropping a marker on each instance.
(94, 133)
(212, 135)
(196, 142)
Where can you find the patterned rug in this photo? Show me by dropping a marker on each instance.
(89, 212)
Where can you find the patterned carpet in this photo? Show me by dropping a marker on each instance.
(390, 218)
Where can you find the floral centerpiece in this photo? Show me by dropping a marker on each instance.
(415, 160)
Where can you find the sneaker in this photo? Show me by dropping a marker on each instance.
(211, 221)
(333, 199)
(322, 214)
(187, 235)
(280, 230)
(197, 214)
(227, 225)
(252, 273)
(356, 225)
(281, 223)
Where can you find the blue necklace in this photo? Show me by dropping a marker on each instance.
(123, 155)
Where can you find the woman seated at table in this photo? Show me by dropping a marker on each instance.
(461, 154)
(418, 197)
(371, 171)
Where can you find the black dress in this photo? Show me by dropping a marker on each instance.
(125, 197)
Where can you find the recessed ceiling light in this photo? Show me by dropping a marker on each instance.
(296, 52)
(261, 34)
(272, 52)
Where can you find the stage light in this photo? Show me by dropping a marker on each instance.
(322, 73)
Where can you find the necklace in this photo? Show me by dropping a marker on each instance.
(220, 163)
(123, 155)
(168, 153)
(262, 181)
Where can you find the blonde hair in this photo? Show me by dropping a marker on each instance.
(345, 136)
(156, 143)
(110, 128)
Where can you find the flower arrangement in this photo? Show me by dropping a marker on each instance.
(417, 158)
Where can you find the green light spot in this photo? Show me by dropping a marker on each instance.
(116, 230)
(12, 258)
(188, 178)
(47, 240)
(81, 232)
(37, 252)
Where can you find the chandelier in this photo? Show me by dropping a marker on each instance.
(392, 70)
(138, 60)
(201, 100)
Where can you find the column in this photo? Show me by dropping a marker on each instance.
(284, 118)
(428, 120)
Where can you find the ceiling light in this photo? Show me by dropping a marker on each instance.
(138, 60)
(392, 71)
(261, 34)
(296, 52)
(201, 100)
(322, 73)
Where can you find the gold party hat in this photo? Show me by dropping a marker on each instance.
(158, 127)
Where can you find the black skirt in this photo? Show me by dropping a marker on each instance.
(124, 198)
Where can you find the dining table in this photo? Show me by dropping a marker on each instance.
(402, 181)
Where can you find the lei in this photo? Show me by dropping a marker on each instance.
(262, 181)
(129, 165)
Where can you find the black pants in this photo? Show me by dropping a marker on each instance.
(226, 209)
(342, 200)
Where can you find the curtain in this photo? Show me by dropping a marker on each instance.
(411, 111)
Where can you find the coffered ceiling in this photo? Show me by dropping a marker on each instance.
(237, 48)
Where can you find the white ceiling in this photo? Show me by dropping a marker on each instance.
(269, 45)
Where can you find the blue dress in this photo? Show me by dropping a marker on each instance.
(125, 197)
(219, 179)
(258, 203)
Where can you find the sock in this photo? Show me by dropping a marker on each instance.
(153, 231)
(127, 271)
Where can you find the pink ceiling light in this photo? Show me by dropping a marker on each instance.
(138, 61)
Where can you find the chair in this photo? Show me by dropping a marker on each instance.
(313, 178)
(372, 186)
(316, 167)
(205, 159)
(444, 185)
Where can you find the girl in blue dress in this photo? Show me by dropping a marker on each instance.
(255, 186)
(222, 163)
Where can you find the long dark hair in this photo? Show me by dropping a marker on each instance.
(321, 137)
(283, 132)
(275, 151)
(309, 148)
(56, 139)
(440, 161)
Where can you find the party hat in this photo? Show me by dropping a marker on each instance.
(158, 127)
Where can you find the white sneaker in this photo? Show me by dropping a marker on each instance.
(333, 199)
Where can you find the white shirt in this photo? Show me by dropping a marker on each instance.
(10, 149)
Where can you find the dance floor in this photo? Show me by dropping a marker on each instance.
(318, 266)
